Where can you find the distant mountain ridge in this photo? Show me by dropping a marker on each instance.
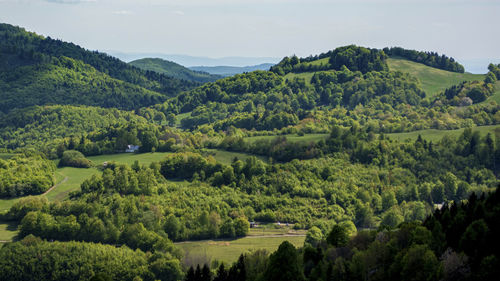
(189, 61)
(174, 70)
(231, 70)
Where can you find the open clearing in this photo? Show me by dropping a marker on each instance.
(433, 80)
(228, 250)
(8, 230)
(436, 135)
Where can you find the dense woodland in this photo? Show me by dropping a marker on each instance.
(25, 174)
(457, 242)
(368, 202)
(36, 70)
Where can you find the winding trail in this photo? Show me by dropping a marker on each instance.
(56, 185)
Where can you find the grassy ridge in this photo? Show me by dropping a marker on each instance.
(433, 80)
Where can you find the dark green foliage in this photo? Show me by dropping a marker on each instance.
(338, 236)
(68, 81)
(284, 264)
(36, 70)
(73, 158)
(405, 253)
(174, 70)
(428, 58)
(24, 174)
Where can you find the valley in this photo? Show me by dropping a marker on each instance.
(357, 163)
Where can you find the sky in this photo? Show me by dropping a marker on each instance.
(464, 29)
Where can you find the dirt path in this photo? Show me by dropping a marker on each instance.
(56, 185)
(248, 236)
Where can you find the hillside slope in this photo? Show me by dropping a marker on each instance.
(433, 80)
(174, 70)
(68, 81)
(35, 70)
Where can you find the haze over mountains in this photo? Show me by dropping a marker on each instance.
(188, 61)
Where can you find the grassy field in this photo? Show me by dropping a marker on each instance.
(129, 158)
(323, 61)
(306, 75)
(291, 138)
(229, 250)
(8, 231)
(433, 80)
(436, 135)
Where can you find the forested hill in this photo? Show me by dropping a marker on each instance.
(174, 70)
(35, 70)
(353, 57)
(347, 85)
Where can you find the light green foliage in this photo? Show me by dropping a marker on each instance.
(34, 259)
(73, 158)
(313, 236)
(25, 174)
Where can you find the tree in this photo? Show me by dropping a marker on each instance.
(283, 264)
(338, 236)
(149, 142)
(420, 263)
(221, 273)
(241, 226)
(172, 227)
(313, 236)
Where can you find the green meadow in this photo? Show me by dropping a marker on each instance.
(433, 80)
(228, 250)
(436, 135)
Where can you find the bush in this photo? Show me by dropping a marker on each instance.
(73, 158)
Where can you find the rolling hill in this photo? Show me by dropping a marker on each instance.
(174, 70)
(35, 70)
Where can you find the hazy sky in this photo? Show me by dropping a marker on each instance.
(464, 29)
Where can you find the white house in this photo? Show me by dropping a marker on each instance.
(132, 148)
